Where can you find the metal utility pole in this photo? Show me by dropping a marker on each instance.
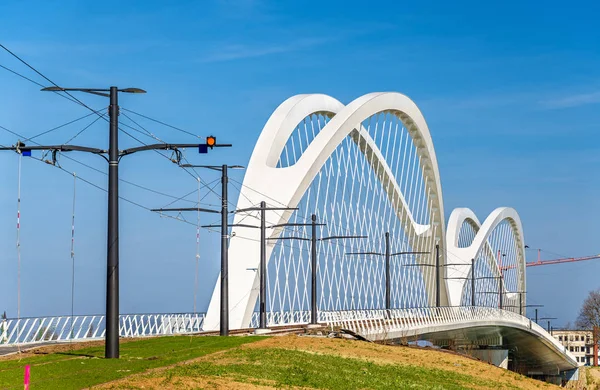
(521, 303)
(473, 282)
(521, 306)
(313, 270)
(548, 319)
(224, 322)
(437, 275)
(112, 156)
(388, 256)
(262, 268)
(112, 274)
(313, 258)
(388, 301)
(500, 291)
(224, 309)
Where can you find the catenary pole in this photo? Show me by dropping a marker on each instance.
(473, 282)
(112, 282)
(313, 270)
(224, 322)
(263, 267)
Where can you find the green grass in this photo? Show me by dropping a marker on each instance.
(287, 368)
(87, 367)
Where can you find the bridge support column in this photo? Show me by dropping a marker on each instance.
(497, 357)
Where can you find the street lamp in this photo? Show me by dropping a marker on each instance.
(224, 319)
(224, 322)
(112, 261)
(114, 155)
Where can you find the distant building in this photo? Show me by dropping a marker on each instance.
(578, 342)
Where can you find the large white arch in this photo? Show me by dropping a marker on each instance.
(461, 257)
(287, 185)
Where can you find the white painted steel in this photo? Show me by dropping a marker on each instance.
(480, 247)
(286, 186)
(397, 323)
(66, 328)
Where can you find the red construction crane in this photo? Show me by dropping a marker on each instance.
(554, 261)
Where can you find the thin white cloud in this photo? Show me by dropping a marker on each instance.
(242, 51)
(572, 101)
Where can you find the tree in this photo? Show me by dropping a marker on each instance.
(589, 314)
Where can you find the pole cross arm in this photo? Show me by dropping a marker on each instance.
(289, 238)
(409, 253)
(60, 148)
(459, 277)
(187, 209)
(267, 208)
(126, 152)
(339, 237)
(232, 225)
(294, 224)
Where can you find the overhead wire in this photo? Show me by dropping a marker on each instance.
(84, 129)
(63, 125)
(96, 169)
(45, 78)
(74, 99)
(35, 82)
(163, 123)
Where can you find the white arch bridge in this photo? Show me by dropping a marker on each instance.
(369, 173)
(368, 170)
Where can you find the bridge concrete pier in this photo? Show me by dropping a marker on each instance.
(496, 356)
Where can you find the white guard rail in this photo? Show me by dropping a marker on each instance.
(65, 328)
(377, 322)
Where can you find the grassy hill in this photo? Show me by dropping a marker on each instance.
(185, 362)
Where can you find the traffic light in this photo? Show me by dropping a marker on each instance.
(211, 141)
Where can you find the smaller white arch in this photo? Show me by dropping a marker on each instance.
(461, 257)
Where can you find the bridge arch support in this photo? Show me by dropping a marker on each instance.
(488, 245)
(277, 185)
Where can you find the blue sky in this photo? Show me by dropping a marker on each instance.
(511, 93)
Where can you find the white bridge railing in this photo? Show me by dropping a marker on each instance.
(386, 323)
(374, 324)
(66, 328)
